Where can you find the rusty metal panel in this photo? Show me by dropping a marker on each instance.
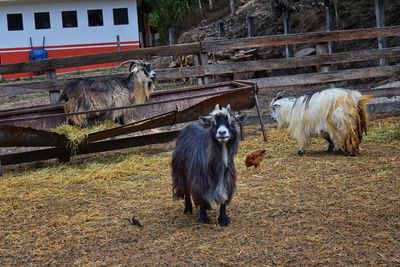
(49, 116)
(63, 153)
(22, 136)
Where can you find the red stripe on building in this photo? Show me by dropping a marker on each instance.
(23, 56)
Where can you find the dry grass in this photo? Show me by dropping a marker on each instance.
(78, 135)
(320, 209)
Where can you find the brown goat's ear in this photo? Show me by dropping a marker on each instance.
(205, 120)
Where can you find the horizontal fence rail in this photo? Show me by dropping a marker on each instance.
(227, 68)
(200, 47)
(66, 62)
(302, 38)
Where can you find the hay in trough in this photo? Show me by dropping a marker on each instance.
(77, 135)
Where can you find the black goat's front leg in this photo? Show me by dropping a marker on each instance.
(203, 218)
(223, 218)
(188, 205)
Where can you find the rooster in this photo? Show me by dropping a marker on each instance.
(255, 158)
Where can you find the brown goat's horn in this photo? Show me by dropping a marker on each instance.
(128, 61)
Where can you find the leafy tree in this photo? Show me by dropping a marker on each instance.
(167, 13)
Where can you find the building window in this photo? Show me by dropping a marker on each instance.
(15, 22)
(69, 19)
(120, 16)
(42, 20)
(95, 17)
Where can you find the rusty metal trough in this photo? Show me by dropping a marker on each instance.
(25, 127)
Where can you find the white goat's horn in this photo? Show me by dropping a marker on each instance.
(217, 107)
(280, 93)
(228, 107)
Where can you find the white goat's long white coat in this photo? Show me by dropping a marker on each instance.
(334, 111)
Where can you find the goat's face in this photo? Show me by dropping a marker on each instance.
(143, 72)
(222, 123)
(279, 108)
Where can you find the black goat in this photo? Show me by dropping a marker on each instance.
(87, 94)
(203, 166)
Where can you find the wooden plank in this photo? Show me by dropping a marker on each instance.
(302, 38)
(321, 78)
(57, 85)
(142, 53)
(272, 64)
(209, 70)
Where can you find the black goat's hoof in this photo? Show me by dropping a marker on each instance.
(301, 152)
(203, 220)
(330, 150)
(188, 210)
(224, 221)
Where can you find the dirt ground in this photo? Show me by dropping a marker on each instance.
(319, 209)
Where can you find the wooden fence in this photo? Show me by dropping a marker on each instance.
(203, 70)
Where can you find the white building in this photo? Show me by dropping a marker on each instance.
(69, 28)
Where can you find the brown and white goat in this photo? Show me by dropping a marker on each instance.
(203, 166)
(338, 115)
(88, 94)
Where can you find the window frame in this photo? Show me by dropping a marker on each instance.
(35, 14)
(127, 16)
(101, 19)
(75, 18)
(20, 15)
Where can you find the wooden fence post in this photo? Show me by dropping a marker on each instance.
(54, 95)
(204, 62)
(322, 49)
(380, 22)
(171, 39)
(197, 62)
(251, 29)
(330, 19)
(287, 25)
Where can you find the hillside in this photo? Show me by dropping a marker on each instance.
(306, 17)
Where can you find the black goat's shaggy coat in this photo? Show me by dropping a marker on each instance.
(201, 170)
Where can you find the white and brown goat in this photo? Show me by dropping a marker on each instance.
(338, 115)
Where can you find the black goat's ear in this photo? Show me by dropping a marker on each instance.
(241, 117)
(206, 120)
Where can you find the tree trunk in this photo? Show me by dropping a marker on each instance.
(233, 6)
(200, 7)
(210, 5)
